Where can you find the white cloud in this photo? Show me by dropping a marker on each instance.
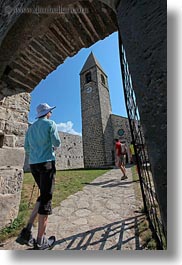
(67, 127)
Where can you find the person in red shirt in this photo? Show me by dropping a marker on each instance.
(120, 154)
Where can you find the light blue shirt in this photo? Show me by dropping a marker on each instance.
(40, 140)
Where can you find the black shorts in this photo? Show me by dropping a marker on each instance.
(44, 175)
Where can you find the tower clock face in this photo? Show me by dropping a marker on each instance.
(120, 132)
(89, 89)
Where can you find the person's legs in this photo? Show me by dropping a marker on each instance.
(123, 169)
(33, 215)
(35, 173)
(119, 163)
(25, 236)
(41, 227)
(47, 173)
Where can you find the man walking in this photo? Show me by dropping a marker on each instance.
(40, 140)
(120, 153)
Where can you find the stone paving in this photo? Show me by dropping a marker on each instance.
(104, 215)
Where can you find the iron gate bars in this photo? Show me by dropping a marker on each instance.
(150, 202)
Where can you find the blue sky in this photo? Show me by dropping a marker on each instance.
(61, 88)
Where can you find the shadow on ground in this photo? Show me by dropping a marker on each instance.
(113, 236)
(112, 183)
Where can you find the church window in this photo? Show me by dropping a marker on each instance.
(121, 132)
(88, 77)
(103, 79)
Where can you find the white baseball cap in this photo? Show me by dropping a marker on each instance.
(43, 109)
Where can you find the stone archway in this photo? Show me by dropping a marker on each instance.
(51, 37)
(33, 45)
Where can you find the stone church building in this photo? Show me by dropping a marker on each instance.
(99, 126)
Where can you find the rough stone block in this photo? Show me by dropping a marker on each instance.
(9, 205)
(20, 116)
(9, 140)
(10, 180)
(2, 125)
(12, 157)
(3, 112)
(17, 128)
(19, 141)
(19, 102)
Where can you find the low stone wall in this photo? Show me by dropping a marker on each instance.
(70, 154)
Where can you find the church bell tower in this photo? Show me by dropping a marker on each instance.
(97, 133)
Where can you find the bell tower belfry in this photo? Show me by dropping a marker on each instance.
(97, 133)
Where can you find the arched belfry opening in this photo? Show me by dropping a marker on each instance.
(37, 36)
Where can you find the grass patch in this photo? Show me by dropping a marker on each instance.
(145, 233)
(134, 173)
(137, 188)
(67, 182)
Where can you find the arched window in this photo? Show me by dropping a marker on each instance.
(103, 79)
(88, 77)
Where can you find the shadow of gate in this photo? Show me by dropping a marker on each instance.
(120, 235)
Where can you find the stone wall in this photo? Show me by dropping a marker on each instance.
(105, 112)
(13, 125)
(118, 123)
(10, 193)
(70, 154)
(143, 33)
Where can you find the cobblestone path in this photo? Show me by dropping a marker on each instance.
(103, 216)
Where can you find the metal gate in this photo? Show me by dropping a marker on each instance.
(151, 206)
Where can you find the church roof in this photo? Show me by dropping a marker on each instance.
(90, 62)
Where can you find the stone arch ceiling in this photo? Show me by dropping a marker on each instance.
(36, 44)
